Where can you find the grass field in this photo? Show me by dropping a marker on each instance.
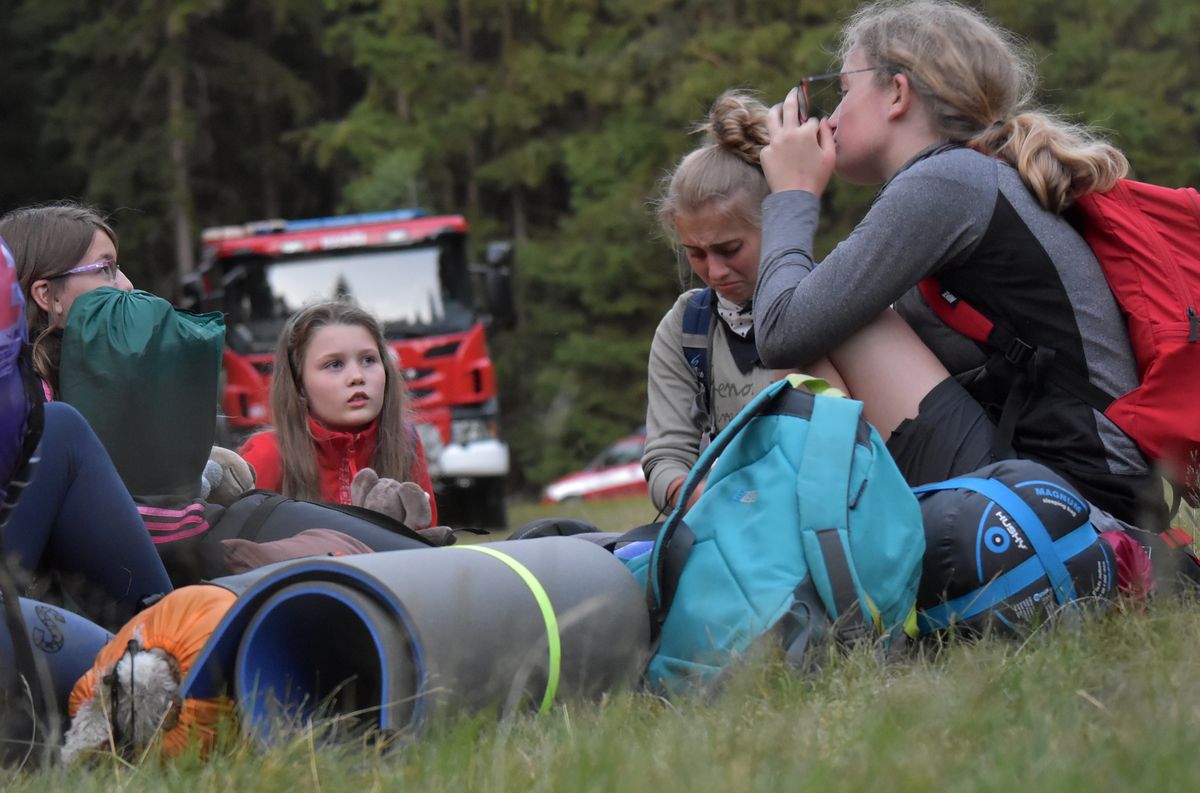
(1109, 704)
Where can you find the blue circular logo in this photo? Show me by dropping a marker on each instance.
(997, 540)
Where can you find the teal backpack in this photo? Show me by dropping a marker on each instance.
(805, 525)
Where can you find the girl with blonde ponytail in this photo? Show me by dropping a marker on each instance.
(935, 108)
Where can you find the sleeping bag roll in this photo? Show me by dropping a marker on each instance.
(1007, 545)
(405, 637)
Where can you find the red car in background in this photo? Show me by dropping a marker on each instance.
(615, 472)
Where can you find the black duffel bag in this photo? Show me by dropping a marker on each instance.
(263, 516)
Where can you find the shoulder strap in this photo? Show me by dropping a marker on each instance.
(823, 482)
(1030, 361)
(262, 511)
(254, 523)
(381, 520)
(699, 322)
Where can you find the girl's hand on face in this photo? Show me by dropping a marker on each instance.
(799, 156)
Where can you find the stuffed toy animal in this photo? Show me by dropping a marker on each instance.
(405, 502)
(226, 477)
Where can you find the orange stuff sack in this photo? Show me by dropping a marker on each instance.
(131, 693)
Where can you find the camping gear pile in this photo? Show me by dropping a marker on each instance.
(805, 538)
(391, 641)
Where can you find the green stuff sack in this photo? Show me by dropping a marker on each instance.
(144, 374)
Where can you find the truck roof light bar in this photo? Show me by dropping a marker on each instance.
(279, 225)
(393, 216)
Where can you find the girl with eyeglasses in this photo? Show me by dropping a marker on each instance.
(64, 508)
(63, 251)
(936, 108)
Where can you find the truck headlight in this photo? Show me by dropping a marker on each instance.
(464, 431)
(431, 439)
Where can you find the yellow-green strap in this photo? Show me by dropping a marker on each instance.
(543, 602)
(816, 385)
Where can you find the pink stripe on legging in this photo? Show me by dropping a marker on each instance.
(183, 535)
(191, 520)
(169, 513)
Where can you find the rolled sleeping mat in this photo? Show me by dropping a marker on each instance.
(1007, 545)
(414, 636)
(67, 642)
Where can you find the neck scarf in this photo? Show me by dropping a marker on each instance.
(738, 319)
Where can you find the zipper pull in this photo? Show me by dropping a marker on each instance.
(1194, 321)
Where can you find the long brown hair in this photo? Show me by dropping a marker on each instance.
(393, 450)
(723, 171)
(48, 240)
(977, 80)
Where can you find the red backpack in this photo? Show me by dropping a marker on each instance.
(1147, 240)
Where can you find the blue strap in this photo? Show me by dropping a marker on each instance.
(1027, 519)
(825, 466)
(698, 322)
(1003, 587)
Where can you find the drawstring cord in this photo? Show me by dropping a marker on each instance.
(122, 743)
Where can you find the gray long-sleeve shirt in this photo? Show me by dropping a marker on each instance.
(673, 424)
(969, 219)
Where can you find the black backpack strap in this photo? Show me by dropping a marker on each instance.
(1033, 365)
(381, 520)
(254, 523)
(640, 534)
(804, 629)
(42, 705)
(670, 561)
(850, 623)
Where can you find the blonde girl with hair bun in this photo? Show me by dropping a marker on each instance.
(710, 207)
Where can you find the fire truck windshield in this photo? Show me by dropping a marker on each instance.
(417, 291)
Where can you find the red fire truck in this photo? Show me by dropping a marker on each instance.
(411, 271)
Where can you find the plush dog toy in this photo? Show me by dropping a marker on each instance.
(405, 502)
(226, 477)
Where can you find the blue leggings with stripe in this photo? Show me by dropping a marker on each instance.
(76, 519)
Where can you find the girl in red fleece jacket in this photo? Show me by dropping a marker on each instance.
(338, 406)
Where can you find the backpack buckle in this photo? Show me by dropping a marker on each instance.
(1018, 352)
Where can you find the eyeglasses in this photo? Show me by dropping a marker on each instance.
(107, 267)
(807, 107)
